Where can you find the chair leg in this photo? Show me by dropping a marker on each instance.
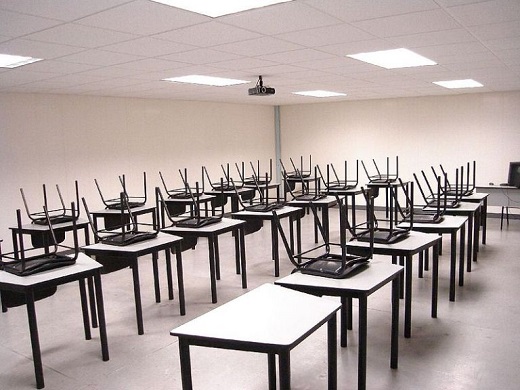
(502, 218)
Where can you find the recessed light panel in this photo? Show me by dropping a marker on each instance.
(454, 84)
(319, 93)
(216, 8)
(9, 61)
(206, 80)
(393, 59)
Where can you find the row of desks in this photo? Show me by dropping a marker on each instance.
(417, 243)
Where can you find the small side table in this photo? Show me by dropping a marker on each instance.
(84, 268)
(361, 285)
(269, 319)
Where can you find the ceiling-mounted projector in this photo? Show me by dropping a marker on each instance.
(260, 90)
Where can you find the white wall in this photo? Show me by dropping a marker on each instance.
(55, 139)
(423, 131)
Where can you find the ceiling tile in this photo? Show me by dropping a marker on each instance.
(13, 24)
(433, 38)
(143, 17)
(258, 47)
(197, 35)
(148, 47)
(494, 11)
(356, 10)
(45, 50)
(418, 22)
(201, 56)
(323, 36)
(296, 56)
(281, 18)
(99, 57)
(64, 10)
(82, 36)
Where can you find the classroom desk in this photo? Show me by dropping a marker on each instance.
(360, 285)
(482, 199)
(269, 319)
(211, 232)
(451, 224)
(472, 211)
(132, 252)
(232, 194)
(324, 204)
(85, 267)
(293, 213)
(405, 249)
(184, 202)
(350, 193)
(264, 188)
(43, 231)
(113, 215)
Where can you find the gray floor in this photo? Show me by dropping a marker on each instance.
(473, 344)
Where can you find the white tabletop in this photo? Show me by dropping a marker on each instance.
(281, 212)
(224, 224)
(83, 263)
(45, 228)
(326, 201)
(269, 314)
(134, 210)
(161, 239)
(377, 271)
(448, 222)
(464, 207)
(410, 243)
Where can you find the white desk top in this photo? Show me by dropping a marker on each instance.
(200, 199)
(378, 271)
(448, 222)
(269, 315)
(326, 201)
(135, 210)
(83, 263)
(225, 223)
(158, 241)
(34, 227)
(282, 212)
(464, 207)
(409, 244)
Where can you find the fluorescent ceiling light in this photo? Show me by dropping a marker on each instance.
(9, 61)
(319, 93)
(216, 8)
(393, 59)
(453, 84)
(205, 80)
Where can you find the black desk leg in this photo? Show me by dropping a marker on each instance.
(180, 279)
(271, 370)
(476, 237)
(332, 352)
(362, 354)
(156, 278)
(461, 255)
(394, 349)
(343, 321)
(217, 257)
(137, 297)
(435, 279)
(92, 300)
(484, 221)
(84, 309)
(169, 279)
(421, 265)
(242, 245)
(212, 276)
(237, 252)
(325, 219)
(408, 297)
(470, 241)
(184, 351)
(35, 340)
(101, 314)
(284, 368)
(274, 243)
(453, 264)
